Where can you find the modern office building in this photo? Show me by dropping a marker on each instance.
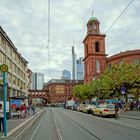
(74, 73)
(37, 81)
(95, 58)
(17, 73)
(80, 68)
(66, 75)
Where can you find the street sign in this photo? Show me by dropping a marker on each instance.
(3, 68)
(123, 89)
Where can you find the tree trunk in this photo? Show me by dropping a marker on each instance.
(126, 102)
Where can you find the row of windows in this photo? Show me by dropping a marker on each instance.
(12, 53)
(16, 81)
(133, 61)
(97, 67)
(11, 65)
(92, 26)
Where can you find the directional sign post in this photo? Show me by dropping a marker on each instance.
(123, 89)
(123, 92)
(4, 69)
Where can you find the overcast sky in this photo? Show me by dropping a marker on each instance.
(26, 23)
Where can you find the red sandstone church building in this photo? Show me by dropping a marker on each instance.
(95, 62)
(95, 58)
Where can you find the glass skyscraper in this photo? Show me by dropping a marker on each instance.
(66, 75)
(37, 81)
(80, 68)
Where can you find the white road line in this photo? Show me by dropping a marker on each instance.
(57, 128)
(36, 129)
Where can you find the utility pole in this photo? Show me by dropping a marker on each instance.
(73, 63)
(4, 69)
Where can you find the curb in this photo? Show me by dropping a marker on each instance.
(17, 132)
(130, 117)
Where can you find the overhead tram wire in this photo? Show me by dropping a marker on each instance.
(49, 36)
(119, 16)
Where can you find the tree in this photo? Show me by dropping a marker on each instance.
(127, 75)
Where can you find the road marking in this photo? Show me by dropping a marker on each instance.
(57, 127)
(36, 129)
(78, 124)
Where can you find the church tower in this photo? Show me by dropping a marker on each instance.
(94, 51)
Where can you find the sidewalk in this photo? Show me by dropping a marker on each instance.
(134, 114)
(15, 122)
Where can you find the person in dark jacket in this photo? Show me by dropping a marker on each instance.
(116, 110)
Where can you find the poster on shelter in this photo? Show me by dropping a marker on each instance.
(15, 103)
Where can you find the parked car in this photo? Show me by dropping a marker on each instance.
(69, 104)
(104, 110)
(81, 107)
(75, 106)
(88, 108)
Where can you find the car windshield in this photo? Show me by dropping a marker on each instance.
(110, 106)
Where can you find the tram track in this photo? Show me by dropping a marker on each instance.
(80, 126)
(111, 129)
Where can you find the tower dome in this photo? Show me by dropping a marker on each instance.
(93, 26)
(92, 18)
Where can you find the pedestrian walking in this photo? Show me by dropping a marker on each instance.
(18, 111)
(28, 110)
(1, 119)
(23, 110)
(132, 105)
(33, 107)
(116, 110)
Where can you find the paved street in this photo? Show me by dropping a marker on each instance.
(131, 113)
(61, 124)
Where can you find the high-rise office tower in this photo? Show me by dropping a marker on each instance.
(80, 68)
(66, 75)
(37, 81)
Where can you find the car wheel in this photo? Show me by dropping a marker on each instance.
(101, 114)
(93, 113)
(89, 111)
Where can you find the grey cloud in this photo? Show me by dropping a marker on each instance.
(26, 24)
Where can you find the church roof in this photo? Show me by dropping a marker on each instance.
(92, 18)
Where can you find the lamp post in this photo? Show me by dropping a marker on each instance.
(123, 92)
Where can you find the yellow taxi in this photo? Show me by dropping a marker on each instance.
(104, 110)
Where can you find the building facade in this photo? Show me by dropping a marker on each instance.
(37, 81)
(29, 74)
(60, 91)
(17, 73)
(80, 68)
(66, 75)
(95, 58)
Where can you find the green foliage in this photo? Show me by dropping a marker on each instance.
(110, 83)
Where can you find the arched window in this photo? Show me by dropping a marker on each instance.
(97, 47)
(97, 66)
(94, 26)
